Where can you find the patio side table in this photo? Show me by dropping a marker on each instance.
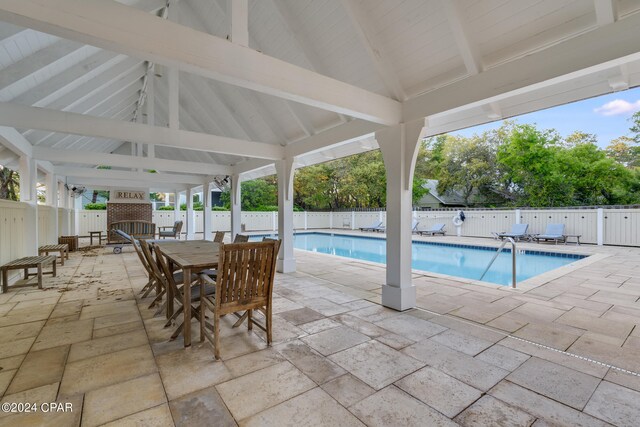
(95, 233)
(574, 236)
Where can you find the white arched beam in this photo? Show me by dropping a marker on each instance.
(24, 117)
(120, 160)
(145, 177)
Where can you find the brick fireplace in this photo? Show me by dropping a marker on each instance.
(128, 212)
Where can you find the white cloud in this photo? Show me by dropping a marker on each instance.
(618, 107)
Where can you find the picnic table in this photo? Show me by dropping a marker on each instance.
(25, 264)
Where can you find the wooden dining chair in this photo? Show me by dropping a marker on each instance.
(243, 316)
(245, 282)
(172, 282)
(158, 276)
(241, 238)
(219, 237)
(152, 283)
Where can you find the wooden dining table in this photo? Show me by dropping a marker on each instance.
(192, 256)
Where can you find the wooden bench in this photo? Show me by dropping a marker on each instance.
(135, 229)
(63, 248)
(25, 264)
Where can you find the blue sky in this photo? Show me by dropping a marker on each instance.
(606, 116)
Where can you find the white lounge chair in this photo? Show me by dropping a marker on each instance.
(383, 228)
(435, 229)
(553, 232)
(373, 227)
(518, 231)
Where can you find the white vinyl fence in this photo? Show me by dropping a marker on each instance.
(615, 226)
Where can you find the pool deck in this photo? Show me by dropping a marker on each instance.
(562, 349)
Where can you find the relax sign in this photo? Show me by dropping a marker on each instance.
(129, 196)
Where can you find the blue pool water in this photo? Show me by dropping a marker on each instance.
(451, 259)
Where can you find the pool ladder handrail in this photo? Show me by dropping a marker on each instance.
(513, 260)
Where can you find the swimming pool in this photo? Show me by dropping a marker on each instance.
(444, 258)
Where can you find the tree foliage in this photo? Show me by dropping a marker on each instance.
(358, 181)
(9, 184)
(256, 195)
(465, 167)
(624, 151)
(519, 164)
(513, 165)
(635, 127)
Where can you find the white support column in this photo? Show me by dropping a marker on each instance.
(52, 201)
(399, 147)
(236, 205)
(73, 220)
(285, 170)
(600, 227)
(166, 199)
(177, 213)
(206, 213)
(63, 202)
(76, 203)
(28, 195)
(518, 215)
(191, 217)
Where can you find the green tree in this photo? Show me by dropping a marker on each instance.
(623, 151)
(594, 178)
(635, 126)
(578, 138)
(530, 167)
(466, 167)
(255, 195)
(9, 184)
(101, 193)
(357, 181)
(314, 187)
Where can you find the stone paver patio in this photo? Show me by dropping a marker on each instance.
(473, 354)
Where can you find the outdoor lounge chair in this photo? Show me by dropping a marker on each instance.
(553, 232)
(170, 231)
(372, 227)
(435, 229)
(518, 231)
(383, 228)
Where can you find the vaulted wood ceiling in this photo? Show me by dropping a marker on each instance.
(458, 63)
